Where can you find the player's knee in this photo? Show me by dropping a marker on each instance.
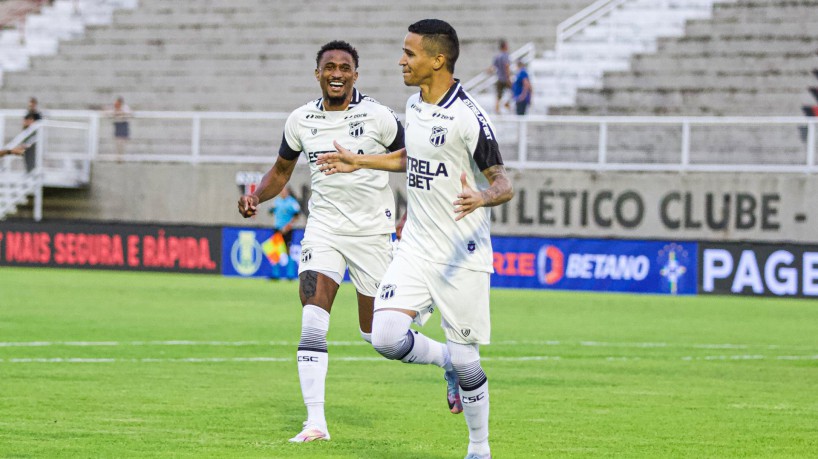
(387, 344)
(389, 334)
(466, 363)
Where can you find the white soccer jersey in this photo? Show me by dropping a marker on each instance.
(443, 141)
(360, 203)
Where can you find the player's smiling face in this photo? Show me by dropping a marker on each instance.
(336, 74)
(416, 63)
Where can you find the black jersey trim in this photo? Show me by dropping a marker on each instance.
(285, 151)
(400, 139)
(487, 152)
(452, 95)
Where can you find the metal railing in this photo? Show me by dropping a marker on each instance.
(18, 182)
(650, 143)
(606, 143)
(584, 18)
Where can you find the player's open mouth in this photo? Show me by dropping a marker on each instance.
(336, 85)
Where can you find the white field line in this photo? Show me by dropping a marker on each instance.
(238, 359)
(532, 358)
(363, 343)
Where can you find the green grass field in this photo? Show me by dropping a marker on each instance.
(113, 364)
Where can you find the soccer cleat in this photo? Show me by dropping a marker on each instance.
(311, 434)
(475, 456)
(453, 392)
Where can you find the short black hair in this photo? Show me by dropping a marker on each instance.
(31, 116)
(337, 45)
(439, 37)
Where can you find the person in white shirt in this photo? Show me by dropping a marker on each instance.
(351, 216)
(444, 260)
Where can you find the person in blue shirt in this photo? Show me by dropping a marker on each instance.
(521, 89)
(285, 211)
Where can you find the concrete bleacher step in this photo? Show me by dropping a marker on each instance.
(752, 57)
(266, 41)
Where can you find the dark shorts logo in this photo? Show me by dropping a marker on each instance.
(438, 137)
(471, 246)
(356, 128)
(388, 213)
(465, 331)
(306, 255)
(388, 291)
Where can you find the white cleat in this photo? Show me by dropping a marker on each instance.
(311, 434)
(475, 456)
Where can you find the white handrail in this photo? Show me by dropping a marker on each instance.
(516, 135)
(587, 16)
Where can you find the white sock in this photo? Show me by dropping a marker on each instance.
(474, 393)
(476, 412)
(392, 337)
(313, 361)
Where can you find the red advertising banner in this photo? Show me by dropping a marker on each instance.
(119, 246)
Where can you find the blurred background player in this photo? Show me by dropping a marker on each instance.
(444, 259)
(285, 210)
(351, 216)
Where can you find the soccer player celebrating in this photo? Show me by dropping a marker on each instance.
(454, 170)
(351, 217)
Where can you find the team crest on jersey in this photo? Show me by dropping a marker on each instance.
(438, 137)
(314, 131)
(471, 246)
(356, 128)
(388, 213)
(388, 291)
(306, 255)
(465, 331)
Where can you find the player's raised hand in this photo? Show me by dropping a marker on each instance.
(468, 200)
(248, 205)
(341, 161)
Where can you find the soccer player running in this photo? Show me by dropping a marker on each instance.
(454, 171)
(351, 217)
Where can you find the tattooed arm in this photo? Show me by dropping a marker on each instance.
(499, 191)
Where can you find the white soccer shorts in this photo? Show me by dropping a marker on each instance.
(367, 257)
(461, 295)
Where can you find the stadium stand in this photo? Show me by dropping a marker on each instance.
(254, 55)
(753, 57)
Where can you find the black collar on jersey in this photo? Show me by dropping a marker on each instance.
(357, 97)
(450, 96)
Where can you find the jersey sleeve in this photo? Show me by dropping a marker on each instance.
(479, 136)
(392, 134)
(290, 140)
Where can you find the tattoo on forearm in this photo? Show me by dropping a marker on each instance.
(500, 190)
(309, 283)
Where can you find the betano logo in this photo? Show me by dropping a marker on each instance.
(552, 266)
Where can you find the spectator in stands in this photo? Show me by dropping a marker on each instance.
(32, 109)
(120, 113)
(521, 89)
(30, 154)
(501, 66)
